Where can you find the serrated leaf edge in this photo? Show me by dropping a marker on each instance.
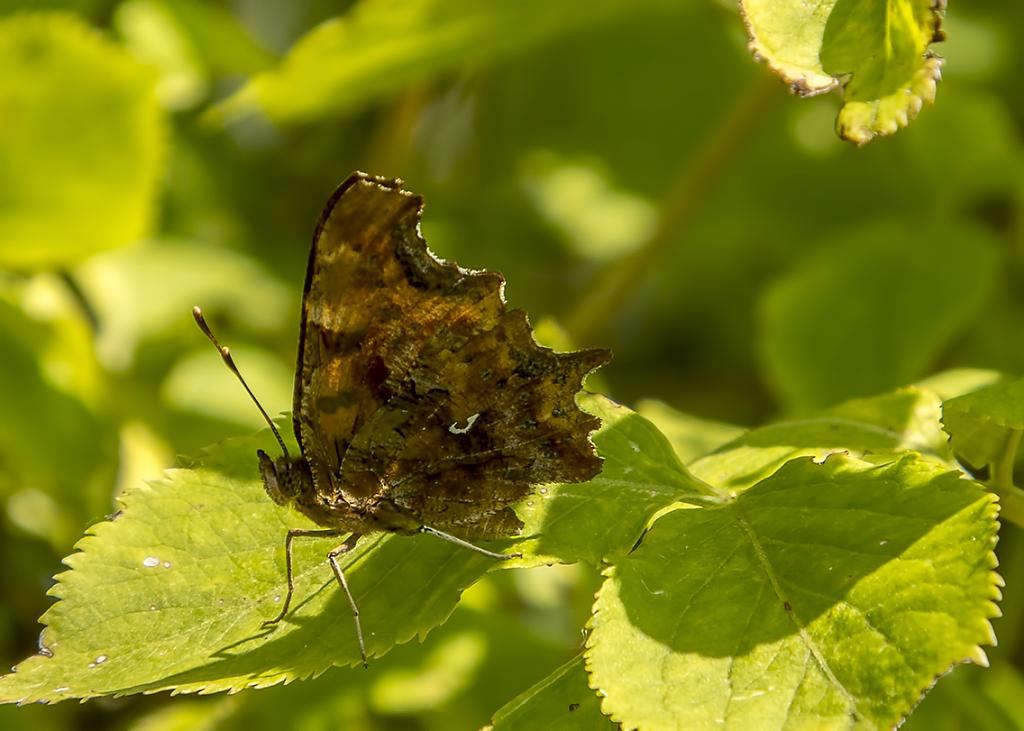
(858, 122)
(974, 654)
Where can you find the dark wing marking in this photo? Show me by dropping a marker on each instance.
(476, 425)
(375, 299)
(416, 389)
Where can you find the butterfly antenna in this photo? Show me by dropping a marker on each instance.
(225, 355)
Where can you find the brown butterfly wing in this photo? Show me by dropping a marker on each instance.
(417, 391)
(489, 420)
(368, 309)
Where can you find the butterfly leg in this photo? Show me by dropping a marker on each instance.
(467, 544)
(332, 558)
(292, 535)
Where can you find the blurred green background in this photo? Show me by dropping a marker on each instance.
(642, 183)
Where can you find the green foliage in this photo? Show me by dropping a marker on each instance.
(562, 700)
(902, 323)
(58, 72)
(985, 428)
(982, 422)
(872, 428)
(825, 595)
(190, 43)
(876, 51)
(171, 593)
(190, 272)
(605, 516)
(722, 588)
(44, 495)
(776, 301)
(384, 46)
(690, 437)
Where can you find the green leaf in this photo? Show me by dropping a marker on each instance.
(877, 51)
(189, 42)
(199, 384)
(871, 310)
(690, 436)
(187, 273)
(978, 123)
(828, 595)
(383, 46)
(760, 452)
(981, 698)
(452, 678)
(219, 39)
(870, 428)
(605, 516)
(985, 428)
(82, 143)
(959, 381)
(981, 423)
(596, 219)
(563, 700)
(912, 414)
(55, 451)
(172, 593)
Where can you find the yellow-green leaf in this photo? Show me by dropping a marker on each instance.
(827, 596)
(380, 47)
(878, 52)
(81, 142)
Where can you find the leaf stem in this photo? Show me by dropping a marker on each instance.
(692, 185)
(1011, 505)
(1011, 497)
(89, 313)
(1002, 473)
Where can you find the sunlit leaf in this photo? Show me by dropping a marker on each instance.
(980, 423)
(828, 595)
(343, 699)
(959, 381)
(691, 437)
(873, 428)
(172, 593)
(877, 52)
(912, 414)
(382, 46)
(605, 516)
(81, 142)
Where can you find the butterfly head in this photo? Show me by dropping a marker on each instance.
(285, 477)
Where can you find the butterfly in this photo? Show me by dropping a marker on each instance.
(421, 404)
